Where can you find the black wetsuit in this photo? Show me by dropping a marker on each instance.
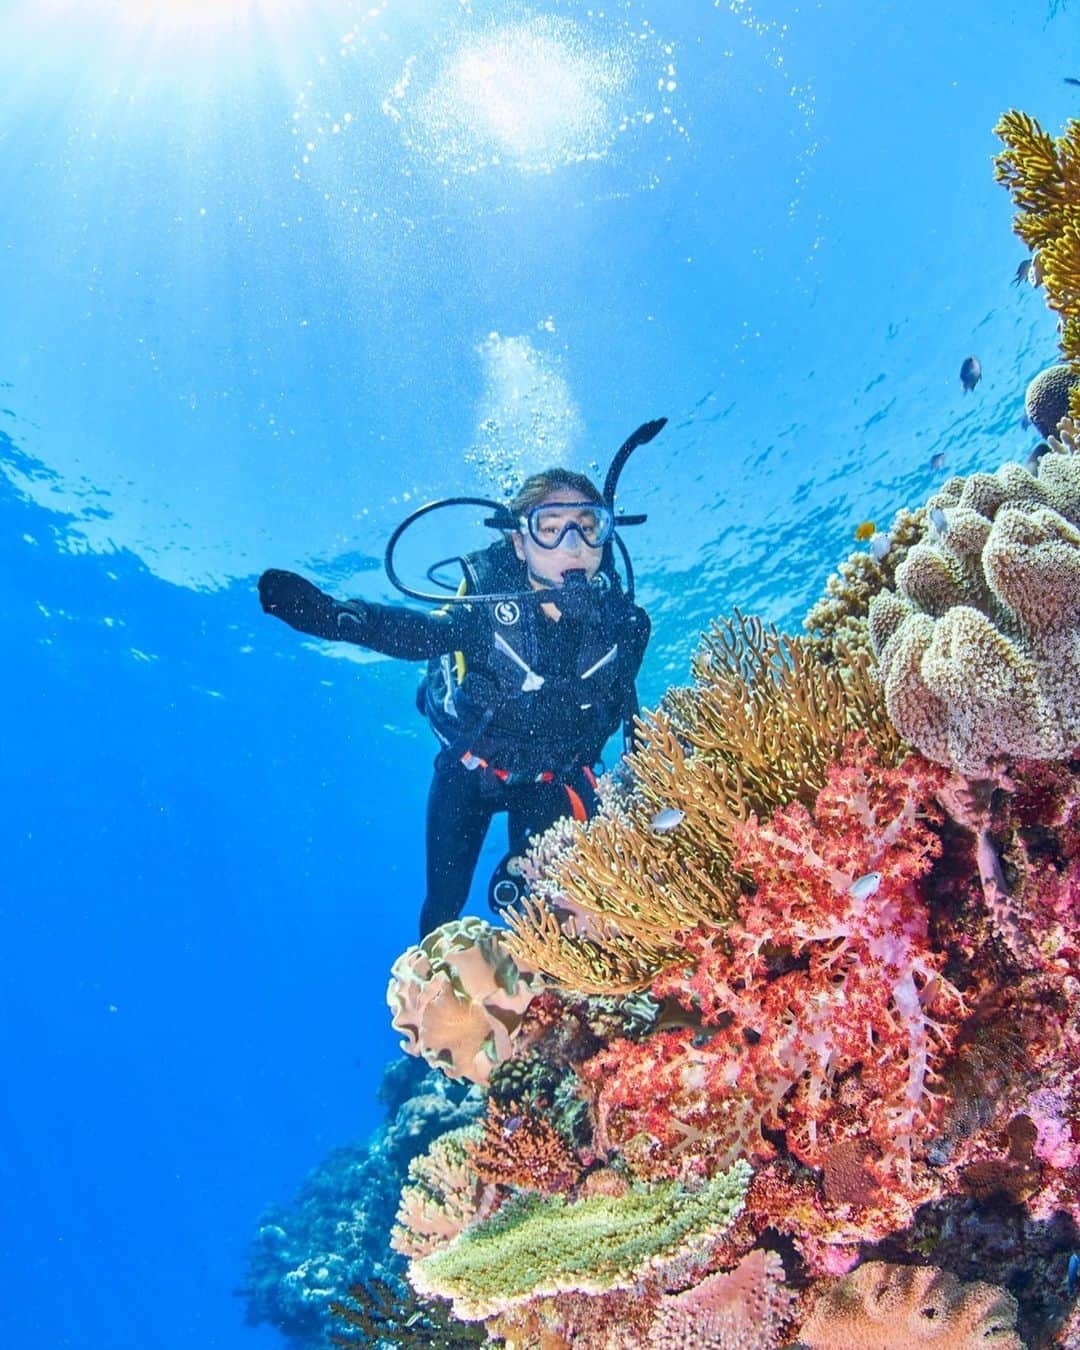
(525, 745)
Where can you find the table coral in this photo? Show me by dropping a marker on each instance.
(979, 647)
(458, 998)
(539, 1246)
(880, 1306)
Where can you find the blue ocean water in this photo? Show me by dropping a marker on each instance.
(272, 274)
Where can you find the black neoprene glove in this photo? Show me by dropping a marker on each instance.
(301, 605)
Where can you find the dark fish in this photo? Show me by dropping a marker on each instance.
(1071, 79)
(937, 461)
(1022, 272)
(1035, 457)
(970, 373)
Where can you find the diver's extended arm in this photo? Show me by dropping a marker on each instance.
(389, 629)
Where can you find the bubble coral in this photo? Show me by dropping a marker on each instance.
(879, 1306)
(458, 998)
(979, 647)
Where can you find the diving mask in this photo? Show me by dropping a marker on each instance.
(550, 523)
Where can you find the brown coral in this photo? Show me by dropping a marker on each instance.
(458, 998)
(881, 1306)
(980, 646)
(521, 1148)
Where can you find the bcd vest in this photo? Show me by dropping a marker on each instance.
(506, 713)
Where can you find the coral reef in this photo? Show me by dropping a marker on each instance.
(757, 730)
(1043, 177)
(335, 1233)
(878, 1307)
(979, 647)
(783, 1048)
(458, 998)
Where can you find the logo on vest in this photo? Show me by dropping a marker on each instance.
(507, 612)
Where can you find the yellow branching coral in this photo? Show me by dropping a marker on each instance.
(1043, 176)
(757, 730)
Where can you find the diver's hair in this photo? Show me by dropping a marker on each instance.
(537, 486)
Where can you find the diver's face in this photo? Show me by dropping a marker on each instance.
(572, 552)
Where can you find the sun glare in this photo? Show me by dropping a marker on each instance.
(171, 18)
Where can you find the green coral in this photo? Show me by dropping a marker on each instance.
(539, 1245)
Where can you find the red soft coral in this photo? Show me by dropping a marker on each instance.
(829, 971)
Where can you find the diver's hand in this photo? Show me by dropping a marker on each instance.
(301, 605)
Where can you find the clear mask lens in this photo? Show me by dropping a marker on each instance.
(549, 526)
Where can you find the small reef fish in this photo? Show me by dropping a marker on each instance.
(670, 818)
(970, 373)
(1022, 272)
(1071, 79)
(1035, 457)
(937, 519)
(937, 461)
(880, 544)
(865, 887)
(865, 530)
(1072, 1275)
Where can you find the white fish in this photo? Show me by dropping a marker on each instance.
(880, 544)
(670, 818)
(865, 887)
(938, 520)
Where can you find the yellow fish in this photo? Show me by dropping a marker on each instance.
(865, 530)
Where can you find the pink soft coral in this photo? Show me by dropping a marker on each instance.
(830, 970)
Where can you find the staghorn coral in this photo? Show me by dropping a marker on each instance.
(757, 730)
(979, 647)
(539, 1246)
(879, 1306)
(458, 998)
(1042, 175)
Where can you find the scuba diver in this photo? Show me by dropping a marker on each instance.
(531, 669)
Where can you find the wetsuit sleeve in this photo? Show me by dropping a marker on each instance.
(389, 629)
(635, 639)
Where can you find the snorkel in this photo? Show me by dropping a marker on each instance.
(574, 581)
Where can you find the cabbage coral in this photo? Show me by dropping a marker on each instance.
(458, 998)
(979, 647)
